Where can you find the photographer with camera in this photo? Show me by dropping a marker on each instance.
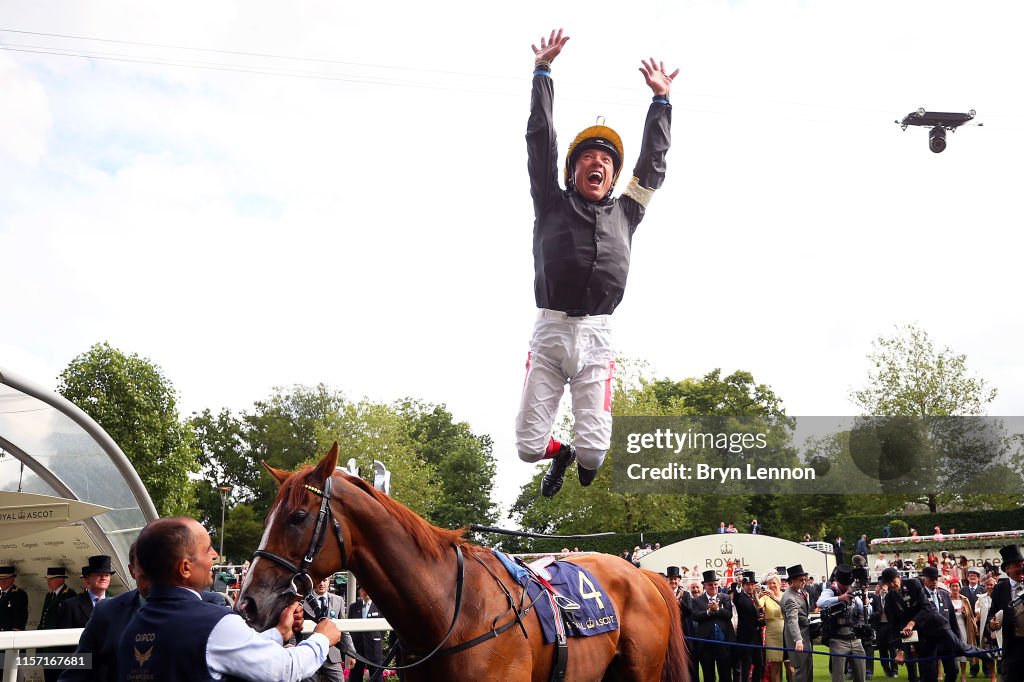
(844, 623)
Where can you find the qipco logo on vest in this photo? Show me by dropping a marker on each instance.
(145, 637)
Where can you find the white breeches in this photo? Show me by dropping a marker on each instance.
(577, 351)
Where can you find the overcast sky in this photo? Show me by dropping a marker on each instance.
(341, 194)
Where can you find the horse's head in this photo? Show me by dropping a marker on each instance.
(300, 546)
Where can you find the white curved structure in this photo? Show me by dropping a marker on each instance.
(758, 553)
(50, 447)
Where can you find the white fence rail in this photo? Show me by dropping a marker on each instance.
(13, 642)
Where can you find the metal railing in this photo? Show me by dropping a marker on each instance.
(14, 641)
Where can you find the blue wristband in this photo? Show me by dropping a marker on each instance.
(660, 99)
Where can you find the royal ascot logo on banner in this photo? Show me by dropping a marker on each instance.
(33, 513)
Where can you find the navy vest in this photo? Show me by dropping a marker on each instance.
(166, 640)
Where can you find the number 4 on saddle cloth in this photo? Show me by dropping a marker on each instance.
(584, 606)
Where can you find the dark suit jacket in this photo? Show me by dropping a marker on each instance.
(13, 609)
(747, 628)
(972, 593)
(1013, 647)
(368, 644)
(48, 616)
(910, 603)
(101, 636)
(706, 620)
(876, 611)
(75, 612)
(947, 611)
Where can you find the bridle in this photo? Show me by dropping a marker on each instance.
(316, 542)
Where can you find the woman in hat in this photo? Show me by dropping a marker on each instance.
(582, 238)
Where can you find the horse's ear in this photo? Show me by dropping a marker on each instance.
(325, 469)
(279, 476)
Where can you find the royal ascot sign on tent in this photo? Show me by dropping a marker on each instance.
(32, 513)
(759, 553)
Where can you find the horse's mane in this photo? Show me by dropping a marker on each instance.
(432, 540)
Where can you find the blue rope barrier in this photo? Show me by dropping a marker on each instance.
(826, 653)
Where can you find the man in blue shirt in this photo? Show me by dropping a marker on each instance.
(178, 636)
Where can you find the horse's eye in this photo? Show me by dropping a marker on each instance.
(298, 517)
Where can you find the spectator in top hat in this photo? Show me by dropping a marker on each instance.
(57, 591)
(673, 576)
(1006, 614)
(712, 611)
(13, 601)
(796, 633)
(75, 612)
(749, 662)
(685, 598)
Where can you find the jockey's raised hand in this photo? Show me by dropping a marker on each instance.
(659, 80)
(549, 47)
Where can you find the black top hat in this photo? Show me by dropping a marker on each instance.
(749, 577)
(888, 575)
(710, 577)
(7, 572)
(98, 564)
(930, 572)
(796, 572)
(1011, 554)
(844, 574)
(56, 572)
(673, 572)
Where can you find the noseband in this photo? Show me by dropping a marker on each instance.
(316, 543)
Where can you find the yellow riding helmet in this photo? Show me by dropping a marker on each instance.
(597, 136)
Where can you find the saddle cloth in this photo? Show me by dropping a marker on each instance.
(596, 613)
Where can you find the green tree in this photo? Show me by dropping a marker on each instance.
(134, 402)
(373, 431)
(463, 464)
(242, 532)
(911, 379)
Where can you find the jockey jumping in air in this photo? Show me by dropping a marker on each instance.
(581, 245)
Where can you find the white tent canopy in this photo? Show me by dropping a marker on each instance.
(94, 501)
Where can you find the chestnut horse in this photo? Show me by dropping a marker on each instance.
(324, 520)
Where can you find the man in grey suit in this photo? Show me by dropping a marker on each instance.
(796, 632)
(321, 603)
